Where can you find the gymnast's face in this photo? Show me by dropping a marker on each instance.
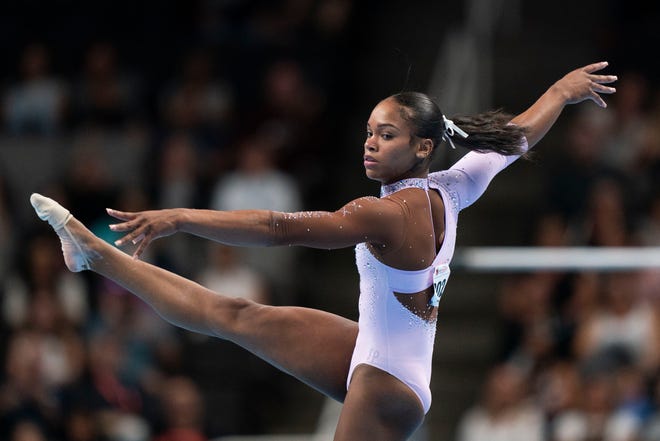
(391, 151)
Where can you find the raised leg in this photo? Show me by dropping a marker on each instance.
(313, 346)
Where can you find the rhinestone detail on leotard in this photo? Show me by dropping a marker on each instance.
(388, 189)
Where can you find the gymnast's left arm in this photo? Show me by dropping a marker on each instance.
(478, 169)
(576, 86)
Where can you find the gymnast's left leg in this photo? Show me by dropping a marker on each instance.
(314, 346)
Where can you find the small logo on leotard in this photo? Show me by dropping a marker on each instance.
(373, 355)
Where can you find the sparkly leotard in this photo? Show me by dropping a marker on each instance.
(391, 337)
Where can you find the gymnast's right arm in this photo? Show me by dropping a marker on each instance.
(365, 219)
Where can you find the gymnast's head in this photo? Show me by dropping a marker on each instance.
(405, 129)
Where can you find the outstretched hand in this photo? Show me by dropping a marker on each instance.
(143, 227)
(582, 84)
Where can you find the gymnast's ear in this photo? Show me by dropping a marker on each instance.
(424, 148)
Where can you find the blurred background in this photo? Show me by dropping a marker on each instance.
(229, 104)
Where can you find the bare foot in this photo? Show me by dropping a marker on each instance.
(75, 238)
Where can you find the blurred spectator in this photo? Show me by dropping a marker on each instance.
(579, 305)
(28, 431)
(524, 305)
(603, 413)
(118, 155)
(148, 343)
(332, 17)
(629, 108)
(504, 413)
(184, 411)
(46, 309)
(42, 276)
(225, 273)
(632, 393)
(117, 403)
(558, 388)
(199, 100)
(106, 94)
(277, 24)
(179, 166)
(36, 104)
(61, 349)
(80, 425)
(623, 326)
(25, 394)
(551, 231)
(257, 183)
(606, 221)
(571, 175)
(588, 420)
(290, 96)
(292, 114)
(89, 183)
(292, 108)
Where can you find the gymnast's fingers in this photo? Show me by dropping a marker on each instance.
(597, 99)
(143, 243)
(604, 79)
(594, 67)
(134, 236)
(123, 215)
(600, 88)
(124, 226)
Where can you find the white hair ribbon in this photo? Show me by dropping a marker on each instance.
(450, 130)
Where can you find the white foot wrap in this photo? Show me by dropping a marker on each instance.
(58, 216)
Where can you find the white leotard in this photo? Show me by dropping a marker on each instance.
(391, 337)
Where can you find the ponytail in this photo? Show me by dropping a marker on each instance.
(489, 132)
(486, 132)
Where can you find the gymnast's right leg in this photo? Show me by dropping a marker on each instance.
(313, 346)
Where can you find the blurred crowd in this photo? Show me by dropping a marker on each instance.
(580, 353)
(238, 117)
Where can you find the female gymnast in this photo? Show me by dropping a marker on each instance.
(380, 367)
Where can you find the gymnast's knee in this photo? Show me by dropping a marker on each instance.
(228, 315)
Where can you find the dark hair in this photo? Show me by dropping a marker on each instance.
(487, 132)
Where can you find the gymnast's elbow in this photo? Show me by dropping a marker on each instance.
(278, 231)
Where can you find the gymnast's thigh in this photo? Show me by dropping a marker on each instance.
(378, 406)
(314, 346)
